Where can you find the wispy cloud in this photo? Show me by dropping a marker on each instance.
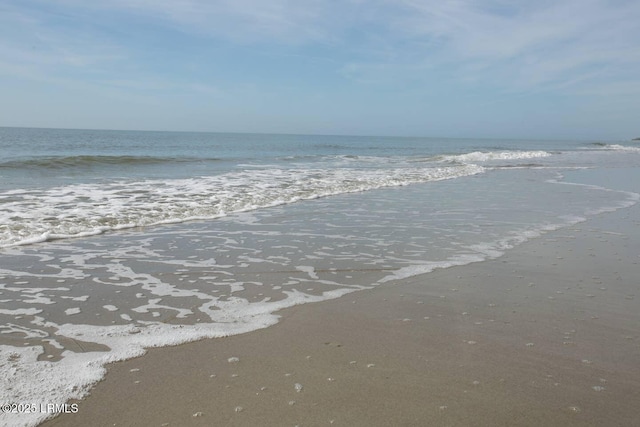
(248, 21)
(531, 43)
(39, 46)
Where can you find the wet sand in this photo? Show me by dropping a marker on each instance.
(547, 334)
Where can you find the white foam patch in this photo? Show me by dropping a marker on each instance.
(428, 267)
(39, 299)
(21, 311)
(309, 270)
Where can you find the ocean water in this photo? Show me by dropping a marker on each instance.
(115, 241)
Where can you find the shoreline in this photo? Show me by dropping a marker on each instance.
(543, 335)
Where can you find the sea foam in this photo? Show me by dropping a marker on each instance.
(33, 216)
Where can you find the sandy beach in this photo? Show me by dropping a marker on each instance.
(544, 335)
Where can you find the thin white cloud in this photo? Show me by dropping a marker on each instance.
(247, 21)
(531, 43)
(28, 41)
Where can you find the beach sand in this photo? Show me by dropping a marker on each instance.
(546, 335)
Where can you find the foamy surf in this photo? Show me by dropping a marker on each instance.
(33, 216)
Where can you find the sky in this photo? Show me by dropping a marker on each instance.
(552, 69)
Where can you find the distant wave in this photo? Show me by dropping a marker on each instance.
(88, 161)
(481, 156)
(618, 147)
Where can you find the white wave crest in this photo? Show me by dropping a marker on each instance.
(618, 147)
(480, 156)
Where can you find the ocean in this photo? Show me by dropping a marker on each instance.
(112, 242)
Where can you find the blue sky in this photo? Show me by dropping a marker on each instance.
(482, 68)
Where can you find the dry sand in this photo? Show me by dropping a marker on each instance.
(547, 335)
